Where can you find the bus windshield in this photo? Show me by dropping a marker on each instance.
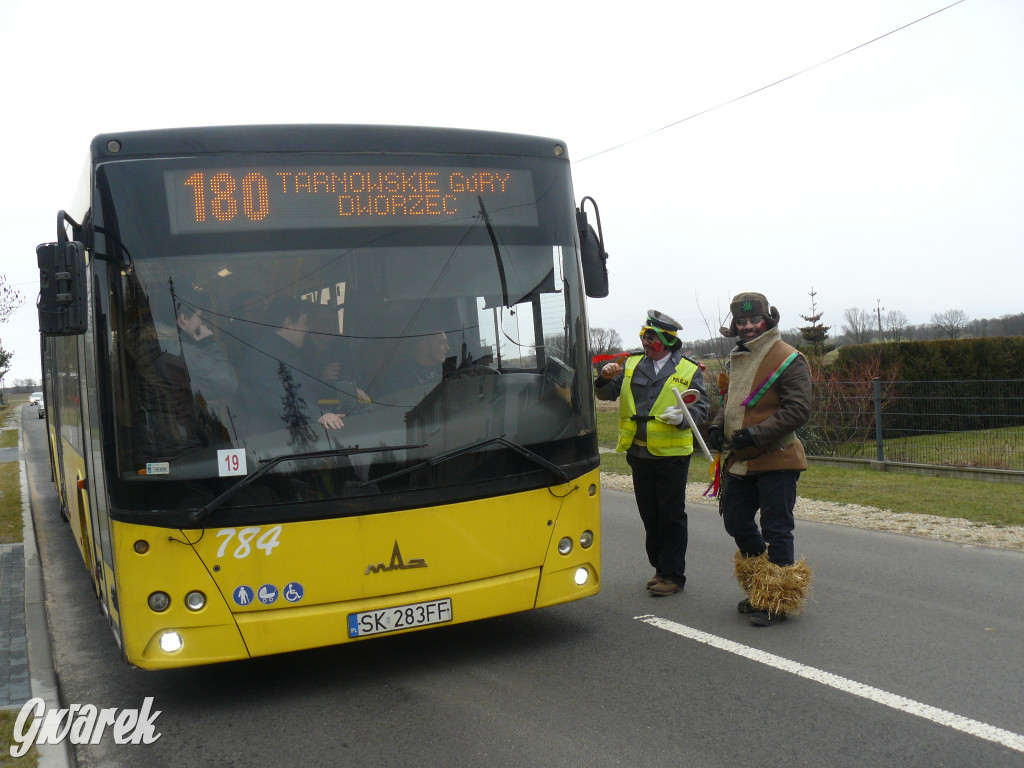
(355, 320)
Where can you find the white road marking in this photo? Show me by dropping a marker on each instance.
(1009, 739)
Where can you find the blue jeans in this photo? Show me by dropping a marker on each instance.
(774, 493)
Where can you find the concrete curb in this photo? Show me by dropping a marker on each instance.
(37, 629)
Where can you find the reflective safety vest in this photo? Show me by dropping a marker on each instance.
(662, 439)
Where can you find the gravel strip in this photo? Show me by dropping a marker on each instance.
(953, 529)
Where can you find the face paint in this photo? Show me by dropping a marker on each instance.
(656, 341)
(749, 328)
(653, 348)
(653, 345)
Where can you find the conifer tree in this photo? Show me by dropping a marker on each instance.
(815, 334)
(294, 410)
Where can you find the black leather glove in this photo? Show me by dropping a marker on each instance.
(741, 439)
(716, 438)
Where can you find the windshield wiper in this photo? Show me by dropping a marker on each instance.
(497, 252)
(267, 464)
(433, 461)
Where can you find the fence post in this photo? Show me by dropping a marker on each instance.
(880, 454)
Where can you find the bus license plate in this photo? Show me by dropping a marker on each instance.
(400, 617)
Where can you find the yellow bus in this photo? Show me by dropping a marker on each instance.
(308, 385)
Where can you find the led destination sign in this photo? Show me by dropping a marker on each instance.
(238, 199)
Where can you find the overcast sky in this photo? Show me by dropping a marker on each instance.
(894, 173)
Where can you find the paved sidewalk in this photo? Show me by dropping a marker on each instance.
(26, 656)
(15, 687)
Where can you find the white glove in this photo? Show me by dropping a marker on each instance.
(673, 415)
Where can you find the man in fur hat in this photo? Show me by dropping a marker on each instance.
(656, 437)
(768, 398)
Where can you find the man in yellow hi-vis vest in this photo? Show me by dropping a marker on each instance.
(657, 440)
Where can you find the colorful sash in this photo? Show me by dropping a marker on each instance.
(754, 396)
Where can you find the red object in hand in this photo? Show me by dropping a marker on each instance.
(618, 357)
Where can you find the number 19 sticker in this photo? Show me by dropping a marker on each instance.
(231, 462)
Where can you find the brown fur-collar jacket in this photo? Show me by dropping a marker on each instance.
(775, 417)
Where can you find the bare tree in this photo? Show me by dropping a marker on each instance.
(858, 325)
(10, 300)
(604, 341)
(717, 344)
(896, 323)
(1012, 325)
(951, 322)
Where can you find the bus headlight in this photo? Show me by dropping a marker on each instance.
(565, 546)
(582, 576)
(195, 601)
(171, 642)
(586, 539)
(159, 602)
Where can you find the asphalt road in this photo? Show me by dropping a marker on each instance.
(909, 655)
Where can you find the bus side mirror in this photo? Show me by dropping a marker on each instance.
(593, 256)
(61, 301)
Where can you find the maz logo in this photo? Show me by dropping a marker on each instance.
(397, 563)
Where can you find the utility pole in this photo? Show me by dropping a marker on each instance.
(878, 312)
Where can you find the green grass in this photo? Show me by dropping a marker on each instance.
(9, 438)
(10, 503)
(990, 448)
(9, 422)
(29, 760)
(976, 500)
(10, 482)
(607, 427)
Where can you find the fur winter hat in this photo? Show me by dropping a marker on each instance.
(748, 305)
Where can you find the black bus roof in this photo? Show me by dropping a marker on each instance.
(321, 138)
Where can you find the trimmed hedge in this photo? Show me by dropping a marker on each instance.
(987, 358)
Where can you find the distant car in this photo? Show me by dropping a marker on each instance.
(42, 409)
(36, 398)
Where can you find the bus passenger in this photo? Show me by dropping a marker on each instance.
(330, 352)
(279, 378)
(211, 375)
(428, 356)
(181, 380)
(416, 369)
(245, 322)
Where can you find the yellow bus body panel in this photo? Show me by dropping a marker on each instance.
(490, 557)
(77, 505)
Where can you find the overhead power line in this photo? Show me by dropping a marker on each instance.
(765, 87)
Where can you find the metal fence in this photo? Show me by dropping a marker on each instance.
(946, 423)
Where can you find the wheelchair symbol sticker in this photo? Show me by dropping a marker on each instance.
(293, 592)
(243, 595)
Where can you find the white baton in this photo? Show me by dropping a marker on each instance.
(692, 395)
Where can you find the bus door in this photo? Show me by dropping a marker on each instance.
(53, 396)
(93, 347)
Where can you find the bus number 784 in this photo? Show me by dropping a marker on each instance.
(266, 541)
